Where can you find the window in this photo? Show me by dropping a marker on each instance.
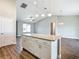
(26, 28)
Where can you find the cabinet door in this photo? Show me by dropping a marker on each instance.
(45, 49)
(45, 52)
(9, 26)
(36, 47)
(9, 39)
(31, 45)
(0, 33)
(0, 25)
(26, 43)
(7, 31)
(2, 40)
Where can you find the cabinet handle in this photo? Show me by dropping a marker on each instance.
(2, 33)
(24, 40)
(40, 46)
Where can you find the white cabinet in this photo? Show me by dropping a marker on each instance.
(0, 41)
(30, 45)
(7, 31)
(45, 52)
(36, 47)
(0, 26)
(26, 43)
(40, 48)
(45, 49)
(7, 40)
(10, 39)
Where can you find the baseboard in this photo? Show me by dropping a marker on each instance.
(31, 53)
(69, 38)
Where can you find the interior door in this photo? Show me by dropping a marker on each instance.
(0, 25)
(0, 32)
(7, 31)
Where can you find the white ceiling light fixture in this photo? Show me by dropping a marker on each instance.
(43, 15)
(30, 18)
(36, 15)
(61, 23)
(49, 14)
(34, 2)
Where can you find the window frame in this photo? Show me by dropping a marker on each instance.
(26, 31)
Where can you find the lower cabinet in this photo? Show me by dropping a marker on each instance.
(45, 52)
(40, 48)
(7, 40)
(31, 45)
(35, 48)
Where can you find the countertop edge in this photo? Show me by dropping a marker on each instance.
(42, 38)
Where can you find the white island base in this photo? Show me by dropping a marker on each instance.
(40, 47)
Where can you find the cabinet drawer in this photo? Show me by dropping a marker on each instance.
(43, 42)
(23, 37)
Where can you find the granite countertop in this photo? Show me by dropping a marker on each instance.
(44, 36)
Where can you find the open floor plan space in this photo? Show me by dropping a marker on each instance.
(39, 29)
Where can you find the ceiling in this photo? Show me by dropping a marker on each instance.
(39, 9)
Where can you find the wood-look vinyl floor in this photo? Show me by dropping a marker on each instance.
(69, 49)
(8, 52)
(25, 55)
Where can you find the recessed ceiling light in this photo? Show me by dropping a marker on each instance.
(50, 14)
(61, 23)
(45, 8)
(34, 2)
(43, 15)
(32, 20)
(37, 15)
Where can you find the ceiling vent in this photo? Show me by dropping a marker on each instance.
(24, 5)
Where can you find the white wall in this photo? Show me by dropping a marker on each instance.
(19, 27)
(43, 26)
(8, 16)
(70, 28)
(65, 7)
(7, 25)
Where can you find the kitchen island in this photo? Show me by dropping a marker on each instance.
(41, 45)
